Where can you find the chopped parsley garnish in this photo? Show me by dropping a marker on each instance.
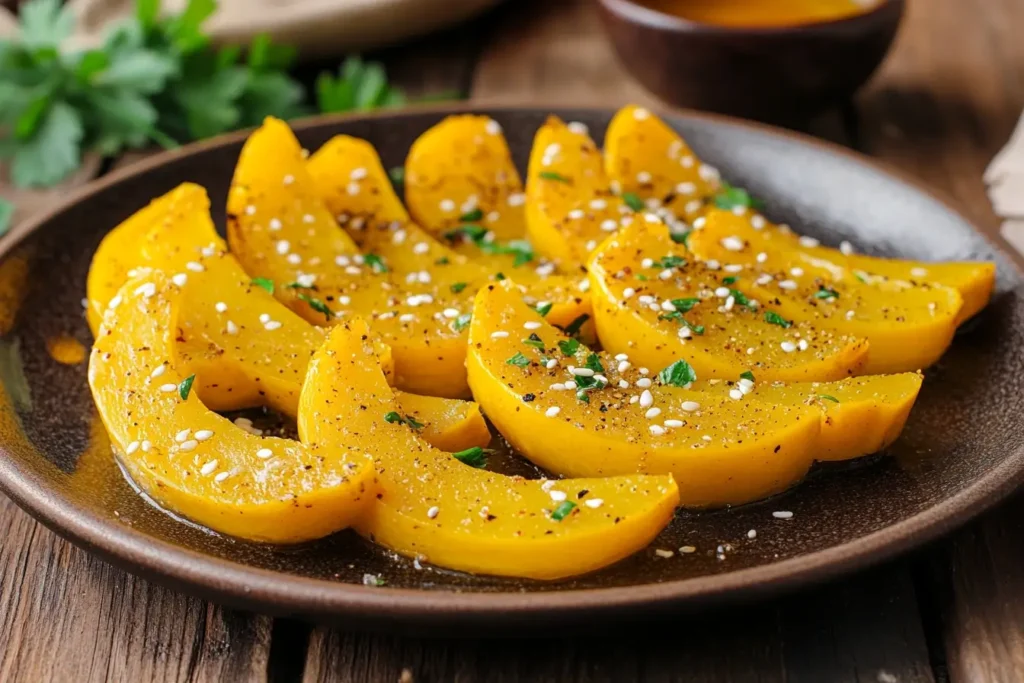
(551, 175)
(471, 231)
(470, 216)
(594, 363)
(518, 360)
(474, 457)
(696, 329)
(739, 297)
(776, 319)
(731, 280)
(376, 263)
(729, 197)
(413, 422)
(185, 387)
(671, 315)
(641, 277)
(563, 510)
(669, 261)
(568, 346)
(461, 322)
(499, 276)
(679, 374)
(682, 238)
(860, 276)
(826, 397)
(522, 250)
(573, 328)
(826, 293)
(684, 305)
(534, 341)
(264, 282)
(397, 174)
(544, 308)
(443, 261)
(582, 395)
(747, 374)
(676, 315)
(394, 418)
(317, 305)
(299, 285)
(458, 287)
(633, 201)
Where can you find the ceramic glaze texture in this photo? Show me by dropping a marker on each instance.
(962, 448)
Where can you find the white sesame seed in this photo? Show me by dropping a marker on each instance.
(752, 533)
(406, 318)
(264, 318)
(272, 325)
(722, 292)
(609, 225)
(557, 496)
(158, 370)
(788, 285)
(732, 243)
(708, 173)
(733, 268)
(623, 366)
(809, 242)
(581, 372)
(663, 553)
(146, 445)
(845, 248)
(532, 325)
(640, 114)
(757, 222)
(735, 394)
(578, 127)
(264, 453)
(179, 279)
(275, 224)
(447, 205)
(168, 388)
(744, 382)
(628, 292)
(644, 382)
(623, 384)
(250, 210)
(576, 214)
(195, 266)
(203, 435)
(500, 334)
(690, 406)
(762, 257)
(308, 218)
(643, 177)
(729, 303)
(652, 413)
(685, 333)
(552, 411)
(220, 307)
(189, 445)
(763, 279)
(221, 477)
(450, 313)
(918, 272)
(656, 430)
(802, 344)
(646, 398)
(283, 247)
(289, 179)
(516, 199)
(551, 363)
(686, 188)
(493, 217)
(358, 173)
(231, 327)
(147, 290)
(433, 512)
(182, 436)
(687, 549)
(788, 346)
(132, 447)
(594, 503)
(421, 248)
(208, 468)
(492, 127)
(782, 514)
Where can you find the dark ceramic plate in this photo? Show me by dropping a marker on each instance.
(962, 450)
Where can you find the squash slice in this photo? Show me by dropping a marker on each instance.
(197, 463)
(908, 326)
(376, 221)
(435, 508)
(279, 229)
(239, 362)
(580, 413)
(653, 302)
(645, 157)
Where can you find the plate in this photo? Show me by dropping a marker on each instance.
(963, 448)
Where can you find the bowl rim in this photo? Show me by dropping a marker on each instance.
(635, 13)
(229, 582)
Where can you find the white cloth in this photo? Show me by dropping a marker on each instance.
(1005, 180)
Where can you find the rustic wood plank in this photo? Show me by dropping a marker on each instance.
(30, 201)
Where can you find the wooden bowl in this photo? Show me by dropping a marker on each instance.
(772, 74)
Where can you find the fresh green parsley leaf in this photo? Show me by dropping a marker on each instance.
(563, 510)
(633, 201)
(499, 276)
(461, 322)
(594, 363)
(472, 216)
(684, 305)
(397, 175)
(263, 282)
(861, 276)
(679, 374)
(317, 305)
(682, 238)
(551, 175)
(730, 197)
(776, 319)
(641, 277)
(299, 285)
(826, 397)
(7, 215)
(670, 261)
(359, 86)
(471, 231)
(731, 280)
(739, 298)
(582, 395)
(696, 329)
(747, 374)
(376, 263)
(393, 418)
(45, 24)
(52, 151)
(474, 457)
(457, 287)
(573, 328)
(443, 261)
(544, 308)
(568, 346)
(518, 360)
(535, 341)
(413, 422)
(826, 293)
(185, 387)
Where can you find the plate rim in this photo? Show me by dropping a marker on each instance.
(227, 581)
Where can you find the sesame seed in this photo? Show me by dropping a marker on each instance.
(788, 285)
(763, 279)
(450, 313)
(685, 333)
(581, 372)
(722, 292)
(146, 445)
(782, 514)
(757, 222)
(189, 445)
(732, 243)
(250, 210)
(656, 430)
(752, 533)
(557, 496)
(690, 406)
(552, 411)
(447, 205)
(918, 272)
(289, 179)
(283, 247)
(551, 363)
(132, 447)
(264, 453)
(272, 325)
(220, 307)
(739, 210)
(433, 512)
(516, 199)
(628, 292)
(147, 290)
(532, 325)
(275, 224)
(421, 248)
(576, 214)
(232, 328)
(733, 268)
(845, 248)
(493, 217)
(708, 173)
(594, 503)
(687, 549)
(802, 345)
(406, 318)
(492, 127)
(762, 257)
(809, 242)
(673, 423)
(643, 177)
(640, 114)
(500, 334)
(652, 413)
(203, 435)
(796, 272)
(643, 382)
(182, 436)
(578, 128)
(609, 225)
(729, 303)
(358, 173)
(666, 274)
(168, 388)
(221, 477)
(557, 386)
(308, 218)
(158, 370)
(646, 398)
(623, 366)
(195, 266)
(744, 382)
(686, 188)
(208, 468)
(735, 394)
(623, 384)
(179, 279)
(788, 346)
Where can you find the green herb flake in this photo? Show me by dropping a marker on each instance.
(682, 238)
(563, 510)
(633, 201)
(534, 341)
(582, 395)
(696, 329)
(747, 374)
(499, 276)
(413, 422)
(573, 328)
(594, 363)
(730, 197)
(641, 277)
(551, 175)
(393, 418)
(731, 280)
(265, 283)
(471, 231)
(299, 285)
(739, 298)
(470, 216)
(457, 287)
(518, 360)
(443, 261)
(544, 308)
(569, 346)
(397, 175)
(670, 261)
(460, 323)
(826, 293)
(826, 397)
(376, 263)
(185, 387)
(776, 319)
(679, 374)
(474, 457)
(317, 305)
(685, 305)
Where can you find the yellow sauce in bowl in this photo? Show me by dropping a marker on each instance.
(762, 13)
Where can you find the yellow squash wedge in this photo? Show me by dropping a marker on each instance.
(376, 221)
(239, 361)
(909, 326)
(197, 463)
(280, 229)
(645, 157)
(655, 303)
(720, 451)
(435, 508)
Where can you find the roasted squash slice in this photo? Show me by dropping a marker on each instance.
(240, 359)
(646, 158)
(909, 326)
(279, 229)
(375, 220)
(655, 303)
(197, 463)
(570, 207)
(580, 413)
(435, 508)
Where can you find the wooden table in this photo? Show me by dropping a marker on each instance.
(945, 101)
